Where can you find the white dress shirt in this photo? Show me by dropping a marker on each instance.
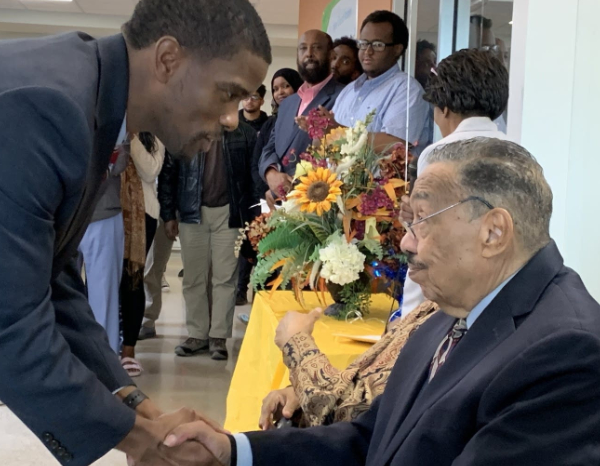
(468, 129)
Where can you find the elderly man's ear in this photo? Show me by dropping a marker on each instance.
(496, 233)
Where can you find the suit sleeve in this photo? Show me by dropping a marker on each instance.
(269, 155)
(544, 408)
(344, 443)
(44, 148)
(260, 187)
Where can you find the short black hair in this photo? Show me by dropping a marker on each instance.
(471, 83)
(212, 29)
(262, 91)
(353, 45)
(398, 25)
(423, 45)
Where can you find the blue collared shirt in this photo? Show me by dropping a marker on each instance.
(485, 302)
(388, 94)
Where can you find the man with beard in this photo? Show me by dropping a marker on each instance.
(345, 64)
(181, 78)
(280, 156)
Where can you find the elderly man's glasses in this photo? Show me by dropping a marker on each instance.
(378, 46)
(409, 226)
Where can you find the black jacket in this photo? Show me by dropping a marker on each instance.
(260, 187)
(180, 181)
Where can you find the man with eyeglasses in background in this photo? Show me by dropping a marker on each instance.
(385, 88)
(251, 112)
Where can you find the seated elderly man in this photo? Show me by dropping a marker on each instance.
(507, 374)
(320, 394)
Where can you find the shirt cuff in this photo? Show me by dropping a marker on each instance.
(244, 450)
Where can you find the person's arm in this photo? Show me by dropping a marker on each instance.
(251, 193)
(147, 165)
(168, 179)
(59, 398)
(260, 187)
(269, 158)
(542, 408)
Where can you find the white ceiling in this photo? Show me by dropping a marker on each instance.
(104, 17)
(272, 11)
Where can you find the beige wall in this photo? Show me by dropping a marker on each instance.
(311, 12)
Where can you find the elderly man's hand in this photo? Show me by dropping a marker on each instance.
(296, 322)
(278, 404)
(199, 434)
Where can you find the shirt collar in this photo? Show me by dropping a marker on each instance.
(306, 91)
(485, 302)
(476, 124)
(393, 71)
(123, 132)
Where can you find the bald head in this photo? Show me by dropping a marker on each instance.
(315, 50)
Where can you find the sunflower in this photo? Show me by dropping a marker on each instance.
(317, 191)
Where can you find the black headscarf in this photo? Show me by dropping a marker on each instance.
(291, 76)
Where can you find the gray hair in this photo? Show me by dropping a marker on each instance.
(507, 176)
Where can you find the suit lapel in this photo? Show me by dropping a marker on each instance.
(418, 353)
(323, 97)
(492, 327)
(111, 103)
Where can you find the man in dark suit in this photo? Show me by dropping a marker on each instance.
(280, 156)
(66, 102)
(507, 374)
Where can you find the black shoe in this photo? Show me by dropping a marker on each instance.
(218, 349)
(191, 346)
(241, 299)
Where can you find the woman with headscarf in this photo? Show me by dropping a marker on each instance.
(285, 83)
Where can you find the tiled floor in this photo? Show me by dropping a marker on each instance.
(172, 382)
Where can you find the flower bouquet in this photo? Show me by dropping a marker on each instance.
(338, 228)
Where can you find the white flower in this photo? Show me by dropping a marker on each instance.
(344, 166)
(356, 139)
(289, 206)
(342, 262)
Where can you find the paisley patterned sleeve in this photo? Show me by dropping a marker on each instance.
(329, 395)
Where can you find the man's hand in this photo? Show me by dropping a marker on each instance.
(296, 322)
(280, 183)
(172, 229)
(278, 404)
(200, 433)
(302, 123)
(406, 212)
(330, 116)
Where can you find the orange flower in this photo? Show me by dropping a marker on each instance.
(317, 191)
(335, 135)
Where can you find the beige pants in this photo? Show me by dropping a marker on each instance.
(155, 269)
(212, 241)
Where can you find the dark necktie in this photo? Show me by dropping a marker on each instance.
(447, 345)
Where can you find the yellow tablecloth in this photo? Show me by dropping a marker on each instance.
(260, 367)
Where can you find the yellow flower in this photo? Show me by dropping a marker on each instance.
(317, 191)
(335, 135)
(303, 168)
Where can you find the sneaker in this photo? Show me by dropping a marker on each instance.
(180, 274)
(244, 318)
(191, 346)
(165, 284)
(146, 333)
(241, 299)
(218, 349)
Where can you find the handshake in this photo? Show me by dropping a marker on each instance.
(182, 438)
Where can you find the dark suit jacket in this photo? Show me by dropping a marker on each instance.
(62, 102)
(520, 389)
(287, 136)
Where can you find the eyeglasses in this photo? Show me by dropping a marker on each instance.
(490, 48)
(409, 226)
(253, 98)
(378, 46)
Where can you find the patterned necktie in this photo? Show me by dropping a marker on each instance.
(447, 345)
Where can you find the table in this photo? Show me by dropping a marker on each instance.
(260, 367)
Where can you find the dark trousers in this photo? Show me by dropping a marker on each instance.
(133, 298)
(244, 277)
